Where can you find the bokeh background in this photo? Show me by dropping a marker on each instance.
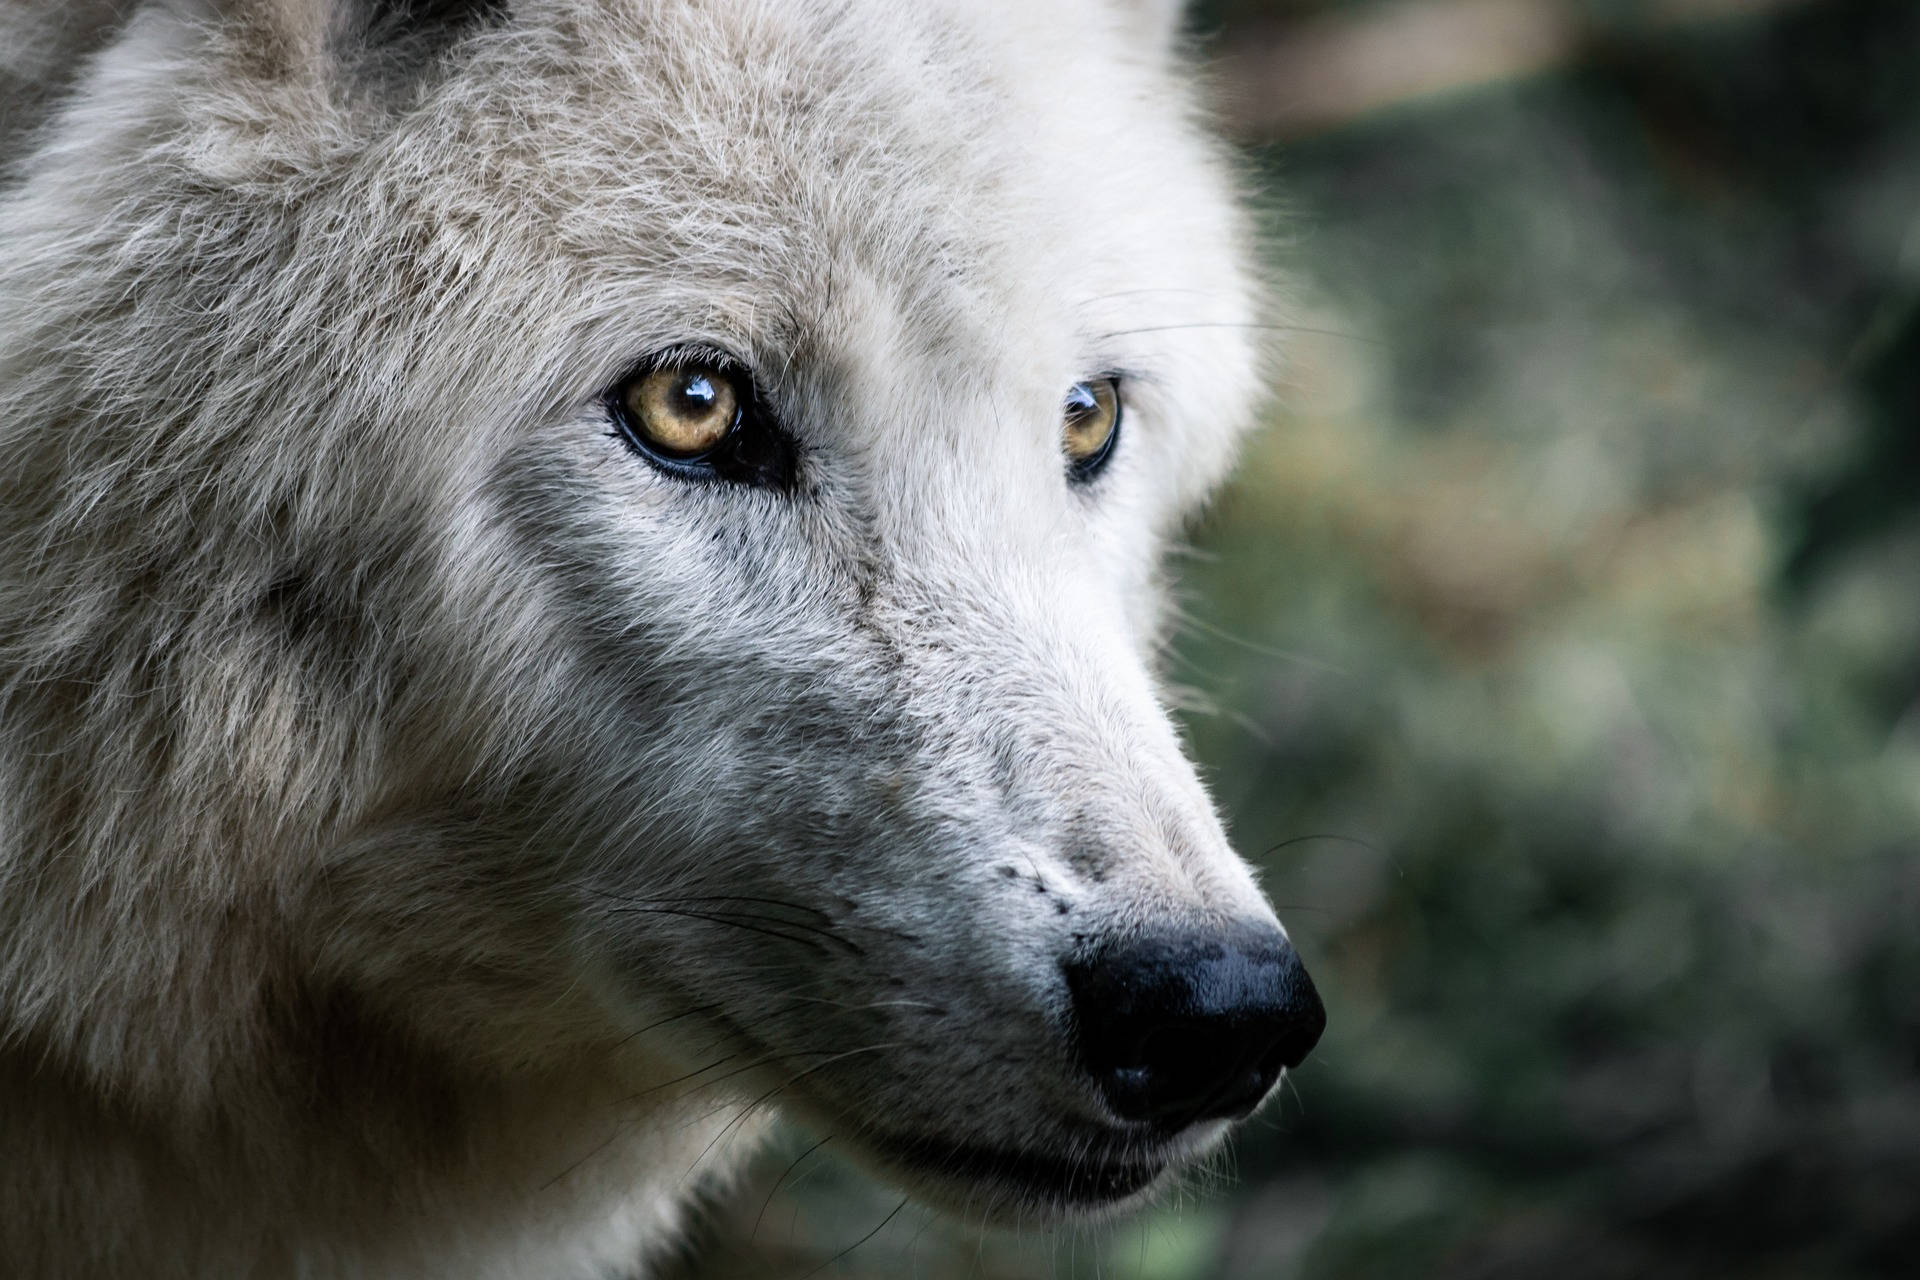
(1556, 651)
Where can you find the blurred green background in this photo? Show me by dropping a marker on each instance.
(1556, 651)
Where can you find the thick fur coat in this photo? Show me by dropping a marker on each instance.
(433, 837)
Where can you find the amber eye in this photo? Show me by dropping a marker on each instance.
(696, 416)
(682, 411)
(1091, 425)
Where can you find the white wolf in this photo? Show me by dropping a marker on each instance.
(573, 571)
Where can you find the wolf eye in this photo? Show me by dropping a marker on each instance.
(681, 411)
(697, 418)
(1090, 425)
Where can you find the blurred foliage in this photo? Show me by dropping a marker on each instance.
(1559, 643)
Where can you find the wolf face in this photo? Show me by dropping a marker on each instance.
(601, 557)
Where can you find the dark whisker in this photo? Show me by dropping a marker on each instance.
(1323, 835)
(614, 1132)
(1368, 845)
(801, 907)
(679, 904)
(754, 1106)
(781, 1181)
(653, 1026)
(668, 1084)
(867, 1006)
(756, 1064)
(857, 1243)
(735, 922)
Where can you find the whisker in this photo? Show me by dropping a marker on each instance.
(782, 1181)
(614, 1131)
(1324, 835)
(754, 1106)
(862, 1007)
(800, 940)
(597, 1148)
(1243, 324)
(1368, 845)
(654, 1026)
(1134, 293)
(1189, 619)
(1294, 1089)
(783, 1057)
(857, 1243)
(667, 1084)
(678, 904)
(801, 907)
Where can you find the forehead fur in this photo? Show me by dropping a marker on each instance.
(829, 190)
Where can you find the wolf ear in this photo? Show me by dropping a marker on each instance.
(290, 38)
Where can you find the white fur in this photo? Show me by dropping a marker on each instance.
(365, 708)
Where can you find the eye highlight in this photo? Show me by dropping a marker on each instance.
(695, 416)
(1090, 426)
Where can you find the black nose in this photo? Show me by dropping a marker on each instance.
(1192, 1027)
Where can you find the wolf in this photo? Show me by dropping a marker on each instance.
(579, 574)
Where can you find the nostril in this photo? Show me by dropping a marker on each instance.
(1183, 1029)
(1194, 1067)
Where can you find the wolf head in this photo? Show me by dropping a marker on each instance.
(620, 539)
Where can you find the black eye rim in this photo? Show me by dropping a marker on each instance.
(1082, 471)
(755, 452)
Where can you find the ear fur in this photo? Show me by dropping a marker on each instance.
(358, 40)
